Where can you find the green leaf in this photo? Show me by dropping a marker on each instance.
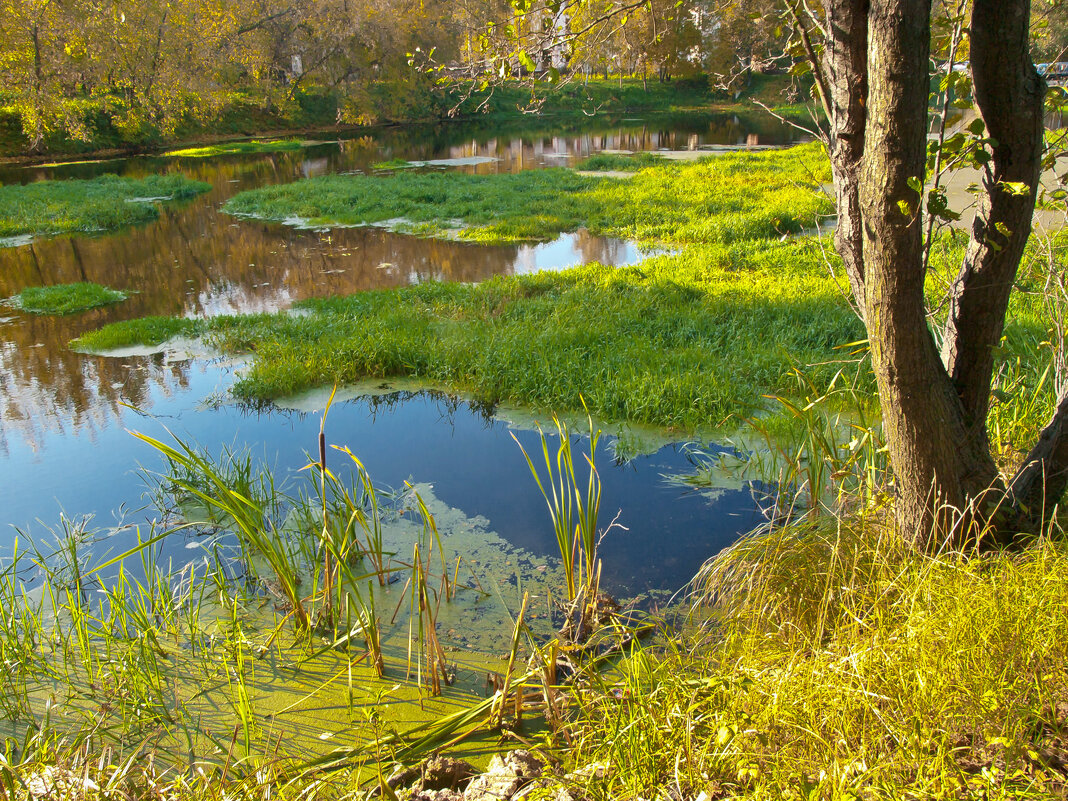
(915, 184)
(1016, 188)
(526, 61)
(977, 126)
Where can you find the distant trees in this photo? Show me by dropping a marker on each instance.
(150, 64)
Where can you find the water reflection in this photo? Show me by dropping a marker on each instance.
(58, 409)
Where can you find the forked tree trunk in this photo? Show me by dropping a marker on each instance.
(874, 78)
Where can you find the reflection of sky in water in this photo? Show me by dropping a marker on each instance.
(569, 250)
(471, 460)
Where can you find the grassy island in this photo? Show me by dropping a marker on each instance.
(67, 298)
(722, 198)
(96, 204)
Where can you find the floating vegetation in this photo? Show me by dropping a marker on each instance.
(231, 148)
(85, 205)
(66, 298)
(339, 613)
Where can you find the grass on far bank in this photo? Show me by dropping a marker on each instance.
(230, 148)
(723, 198)
(85, 205)
(67, 298)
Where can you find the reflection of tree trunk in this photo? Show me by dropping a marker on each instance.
(78, 259)
(37, 264)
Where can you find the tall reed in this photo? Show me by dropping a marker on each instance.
(573, 512)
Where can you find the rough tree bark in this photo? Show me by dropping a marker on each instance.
(874, 77)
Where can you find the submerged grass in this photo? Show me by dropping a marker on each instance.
(723, 198)
(85, 205)
(67, 298)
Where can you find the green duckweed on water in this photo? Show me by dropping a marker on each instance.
(719, 199)
(231, 148)
(105, 203)
(66, 298)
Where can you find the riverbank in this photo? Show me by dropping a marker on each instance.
(314, 112)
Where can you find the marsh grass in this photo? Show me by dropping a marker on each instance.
(683, 340)
(67, 298)
(497, 208)
(150, 331)
(623, 162)
(85, 205)
(574, 511)
(170, 666)
(845, 665)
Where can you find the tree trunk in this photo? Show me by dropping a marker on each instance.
(845, 90)
(873, 78)
(1009, 94)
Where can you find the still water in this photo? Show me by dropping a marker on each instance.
(64, 444)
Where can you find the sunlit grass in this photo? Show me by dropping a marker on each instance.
(84, 205)
(685, 340)
(66, 298)
(722, 198)
(844, 664)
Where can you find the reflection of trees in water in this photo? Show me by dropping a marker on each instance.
(196, 261)
(193, 261)
(596, 248)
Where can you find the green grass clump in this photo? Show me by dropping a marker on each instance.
(96, 204)
(392, 164)
(719, 199)
(844, 664)
(622, 162)
(67, 298)
(231, 148)
(503, 207)
(143, 331)
(686, 340)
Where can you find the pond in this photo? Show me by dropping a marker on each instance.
(64, 445)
